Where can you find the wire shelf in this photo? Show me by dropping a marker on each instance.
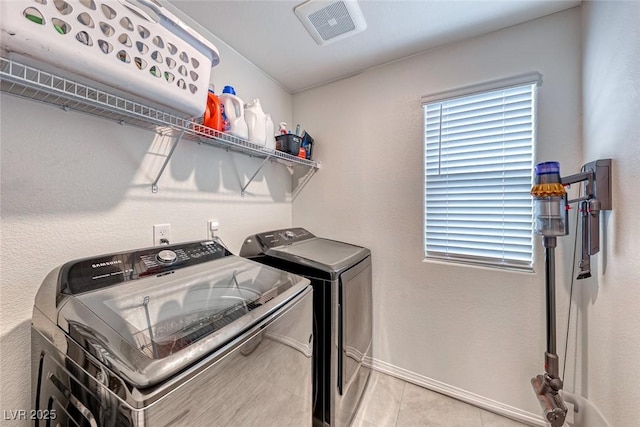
(32, 83)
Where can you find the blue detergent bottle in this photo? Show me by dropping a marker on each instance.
(233, 113)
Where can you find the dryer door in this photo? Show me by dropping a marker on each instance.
(354, 323)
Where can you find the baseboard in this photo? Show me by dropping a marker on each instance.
(456, 393)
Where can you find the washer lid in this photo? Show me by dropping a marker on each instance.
(323, 254)
(151, 328)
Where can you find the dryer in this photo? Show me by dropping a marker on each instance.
(340, 274)
(186, 334)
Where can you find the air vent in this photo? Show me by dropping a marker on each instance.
(330, 21)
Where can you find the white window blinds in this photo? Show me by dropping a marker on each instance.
(478, 175)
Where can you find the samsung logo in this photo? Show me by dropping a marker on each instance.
(104, 264)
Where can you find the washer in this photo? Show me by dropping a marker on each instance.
(185, 334)
(340, 274)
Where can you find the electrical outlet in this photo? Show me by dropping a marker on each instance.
(161, 234)
(212, 228)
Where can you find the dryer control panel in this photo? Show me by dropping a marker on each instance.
(283, 237)
(258, 244)
(94, 273)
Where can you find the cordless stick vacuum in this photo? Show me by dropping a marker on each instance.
(550, 221)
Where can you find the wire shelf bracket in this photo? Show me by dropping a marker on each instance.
(302, 182)
(244, 187)
(154, 185)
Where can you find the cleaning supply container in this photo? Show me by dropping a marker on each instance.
(213, 112)
(233, 113)
(256, 122)
(289, 143)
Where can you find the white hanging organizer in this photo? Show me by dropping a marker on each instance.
(136, 47)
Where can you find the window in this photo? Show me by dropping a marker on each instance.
(478, 147)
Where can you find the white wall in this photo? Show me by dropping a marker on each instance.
(611, 97)
(74, 186)
(475, 332)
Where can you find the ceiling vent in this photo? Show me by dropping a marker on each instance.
(330, 21)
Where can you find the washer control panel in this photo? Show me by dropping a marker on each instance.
(107, 270)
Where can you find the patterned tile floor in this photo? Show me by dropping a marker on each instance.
(391, 402)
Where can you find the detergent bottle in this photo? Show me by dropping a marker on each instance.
(271, 140)
(233, 113)
(213, 112)
(256, 122)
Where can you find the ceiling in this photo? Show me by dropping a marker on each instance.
(269, 34)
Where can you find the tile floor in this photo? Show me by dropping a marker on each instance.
(391, 402)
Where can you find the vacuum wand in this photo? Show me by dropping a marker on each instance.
(550, 291)
(547, 386)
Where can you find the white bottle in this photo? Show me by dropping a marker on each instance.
(256, 122)
(233, 113)
(271, 138)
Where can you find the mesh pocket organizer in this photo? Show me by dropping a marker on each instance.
(134, 46)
